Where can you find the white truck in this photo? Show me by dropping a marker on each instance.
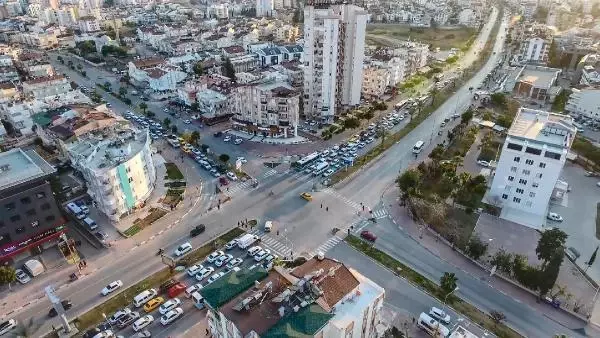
(247, 240)
(34, 267)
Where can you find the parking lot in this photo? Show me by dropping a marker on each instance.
(199, 274)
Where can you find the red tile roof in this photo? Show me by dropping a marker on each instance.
(148, 63)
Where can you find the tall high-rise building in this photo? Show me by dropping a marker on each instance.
(264, 8)
(334, 50)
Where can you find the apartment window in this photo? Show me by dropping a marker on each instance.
(50, 218)
(504, 196)
(130, 179)
(534, 151)
(552, 155)
(25, 200)
(542, 165)
(20, 230)
(520, 191)
(511, 178)
(538, 175)
(513, 169)
(15, 218)
(10, 206)
(516, 200)
(522, 181)
(517, 159)
(30, 212)
(535, 185)
(526, 172)
(532, 194)
(514, 146)
(529, 162)
(40, 195)
(45, 206)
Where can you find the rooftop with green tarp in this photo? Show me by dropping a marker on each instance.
(304, 323)
(232, 284)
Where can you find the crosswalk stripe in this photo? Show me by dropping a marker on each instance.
(346, 200)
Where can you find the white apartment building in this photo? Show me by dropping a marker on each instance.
(116, 163)
(268, 109)
(584, 102)
(534, 50)
(19, 116)
(46, 86)
(531, 161)
(334, 50)
(320, 298)
(375, 81)
(264, 8)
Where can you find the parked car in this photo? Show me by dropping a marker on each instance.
(223, 259)
(111, 287)
(128, 319)
(204, 273)
(227, 138)
(233, 263)
(153, 303)
(369, 236)
(142, 323)
(238, 141)
(114, 319)
(7, 325)
(213, 256)
(232, 244)
(214, 277)
(171, 316)
(194, 269)
(22, 277)
(554, 217)
(231, 176)
(183, 249)
(439, 315)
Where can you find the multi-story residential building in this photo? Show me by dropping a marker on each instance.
(19, 116)
(116, 163)
(264, 8)
(212, 103)
(320, 298)
(587, 72)
(270, 56)
(375, 81)
(531, 161)
(41, 70)
(30, 218)
(244, 63)
(268, 109)
(88, 24)
(584, 102)
(534, 50)
(9, 73)
(334, 48)
(46, 86)
(156, 74)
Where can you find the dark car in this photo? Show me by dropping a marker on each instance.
(66, 305)
(197, 230)
(369, 236)
(130, 318)
(223, 181)
(218, 134)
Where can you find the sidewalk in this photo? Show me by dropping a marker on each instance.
(445, 253)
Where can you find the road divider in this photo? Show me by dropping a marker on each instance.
(459, 305)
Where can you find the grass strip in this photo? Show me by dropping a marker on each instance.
(598, 220)
(173, 173)
(439, 99)
(125, 297)
(470, 311)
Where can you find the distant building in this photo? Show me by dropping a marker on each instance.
(530, 163)
(264, 8)
(117, 167)
(89, 24)
(534, 50)
(587, 72)
(46, 86)
(584, 102)
(30, 218)
(534, 82)
(375, 81)
(320, 298)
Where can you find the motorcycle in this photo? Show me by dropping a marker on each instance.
(73, 277)
(160, 252)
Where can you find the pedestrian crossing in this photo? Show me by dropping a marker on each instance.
(347, 201)
(328, 245)
(380, 213)
(271, 243)
(248, 184)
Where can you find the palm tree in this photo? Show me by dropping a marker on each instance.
(194, 137)
(26, 328)
(143, 106)
(167, 122)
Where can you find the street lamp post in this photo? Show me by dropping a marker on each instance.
(444, 307)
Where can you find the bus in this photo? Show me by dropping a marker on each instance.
(321, 167)
(418, 147)
(432, 326)
(307, 159)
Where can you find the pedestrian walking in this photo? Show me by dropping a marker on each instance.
(206, 332)
(326, 208)
(321, 205)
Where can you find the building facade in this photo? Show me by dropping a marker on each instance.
(531, 161)
(30, 218)
(46, 86)
(584, 102)
(334, 48)
(535, 50)
(264, 8)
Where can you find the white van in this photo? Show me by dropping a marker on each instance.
(432, 326)
(198, 300)
(268, 226)
(144, 297)
(76, 210)
(254, 250)
(418, 147)
(90, 223)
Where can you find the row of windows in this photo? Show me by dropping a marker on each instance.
(34, 224)
(518, 200)
(529, 162)
(29, 212)
(525, 172)
(25, 200)
(534, 151)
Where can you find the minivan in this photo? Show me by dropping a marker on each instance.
(90, 223)
(144, 297)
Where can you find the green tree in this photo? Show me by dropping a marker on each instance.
(437, 152)
(497, 317)
(549, 273)
(224, 158)
(83, 73)
(503, 261)
(466, 116)
(167, 122)
(551, 242)
(560, 101)
(198, 69)
(448, 282)
(143, 106)
(194, 137)
(498, 99)
(476, 248)
(194, 106)
(174, 129)
(408, 182)
(7, 275)
(122, 91)
(228, 70)
(107, 85)
(351, 123)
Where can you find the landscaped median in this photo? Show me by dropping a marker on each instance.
(125, 297)
(438, 99)
(459, 305)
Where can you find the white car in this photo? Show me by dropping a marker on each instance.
(170, 316)
(213, 256)
(214, 277)
(232, 244)
(142, 322)
(183, 249)
(242, 159)
(439, 315)
(111, 287)
(233, 263)
(169, 305)
(114, 319)
(262, 255)
(328, 172)
(22, 277)
(227, 139)
(238, 141)
(7, 325)
(187, 121)
(204, 273)
(231, 176)
(554, 217)
(223, 259)
(194, 269)
(192, 289)
(483, 163)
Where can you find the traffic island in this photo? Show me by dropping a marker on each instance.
(431, 288)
